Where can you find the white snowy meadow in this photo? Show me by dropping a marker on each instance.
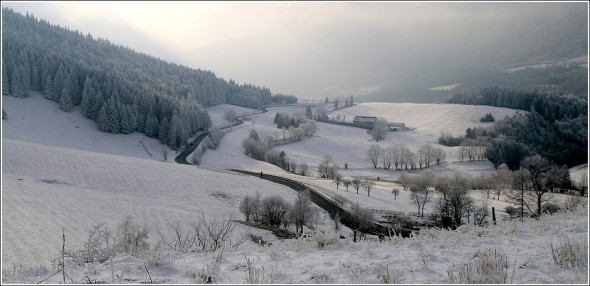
(59, 173)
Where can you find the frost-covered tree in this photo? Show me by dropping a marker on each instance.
(66, 102)
(375, 151)
(17, 87)
(5, 84)
(379, 130)
(368, 185)
(300, 213)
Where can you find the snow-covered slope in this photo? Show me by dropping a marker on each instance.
(45, 188)
(39, 120)
(429, 119)
(349, 145)
(48, 188)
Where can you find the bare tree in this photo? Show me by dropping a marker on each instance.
(177, 236)
(481, 211)
(502, 179)
(326, 166)
(368, 185)
(300, 213)
(544, 177)
(361, 219)
(337, 180)
(419, 192)
(517, 197)
(439, 155)
(387, 157)
(404, 179)
(212, 234)
(247, 207)
(356, 183)
(454, 202)
(303, 169)
(374, 153)
(346, 182)
(396, 150)
(426, 155)
(273, 210)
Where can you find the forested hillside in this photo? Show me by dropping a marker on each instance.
(121, 90)
(555, 126)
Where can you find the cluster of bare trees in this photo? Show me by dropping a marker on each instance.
(203, 233)
(356, 182)
(453, 204)
(327, 169)
(533, 184)
(472, 150)
(399, 156)
(275, 211)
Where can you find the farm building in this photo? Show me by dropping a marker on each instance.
(364, 119)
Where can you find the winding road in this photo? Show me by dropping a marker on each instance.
(181, 158)
(320, 200)
(332, 208)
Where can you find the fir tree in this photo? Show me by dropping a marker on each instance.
(16, 85)
(87, 99)
(103, 119)
(5, 84)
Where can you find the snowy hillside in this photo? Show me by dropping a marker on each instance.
(46, 188)
(39, 120)
(429, 119)
(56, 175)
(349, 145)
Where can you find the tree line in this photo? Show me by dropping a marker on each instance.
(121, 90)
(399, 156)
(555, 127)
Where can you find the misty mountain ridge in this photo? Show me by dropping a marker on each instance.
(551, 56)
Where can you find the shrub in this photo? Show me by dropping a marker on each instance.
(96, 249)
(573, 202)
(274, 210)
(450, 141)
(485, 267)
(390, 276)
(569, 253)
(551, 208)
(212, 234)
(131, 239)
(488, 118)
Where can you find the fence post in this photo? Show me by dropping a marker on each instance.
(494, 215)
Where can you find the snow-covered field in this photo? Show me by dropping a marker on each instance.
(349, 145)
(445, 87)
(56, 175)
(39, 120)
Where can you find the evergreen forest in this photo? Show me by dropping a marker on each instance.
(123, 91)
(555, 126)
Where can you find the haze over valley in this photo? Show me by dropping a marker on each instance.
(296, 142)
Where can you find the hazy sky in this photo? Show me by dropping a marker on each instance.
(303, 48)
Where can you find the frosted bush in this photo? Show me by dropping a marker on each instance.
(391, 276)
(568, 253)
(484, 267)
(321, 239)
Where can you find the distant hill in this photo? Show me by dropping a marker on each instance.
(551, 54)
(121, 90)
